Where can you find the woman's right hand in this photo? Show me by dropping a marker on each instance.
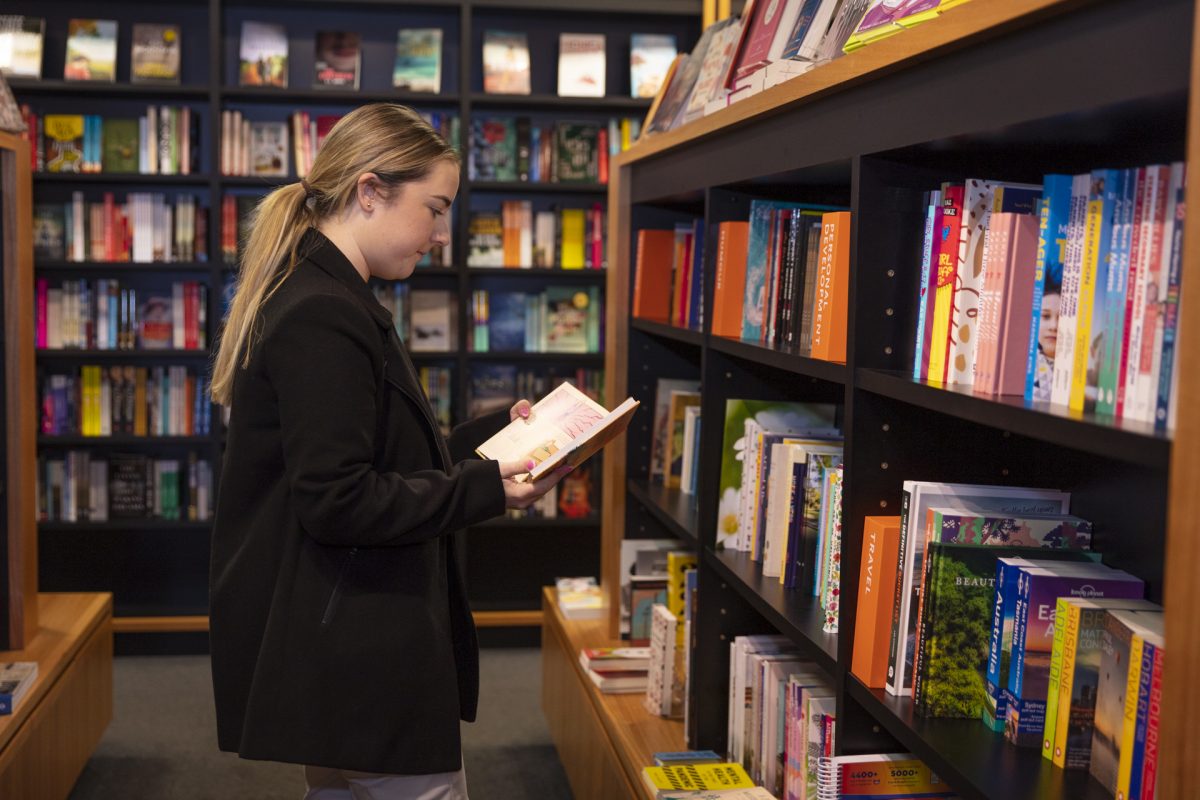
(522, 495)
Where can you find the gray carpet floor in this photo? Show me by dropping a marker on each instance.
(162, 740)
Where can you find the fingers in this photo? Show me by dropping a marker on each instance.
(523, 495)
(522, 410)
(511, 469)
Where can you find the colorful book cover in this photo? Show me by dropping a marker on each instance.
(21, 41)
(493, 149)
(1047, 287)
(772, 415)
(576, 152)
(418, 65)
(1016, 308)
(1104, 202)
(91, 50)
(505, 62)
(1033, 638)
(886, 17)
(933, 217)
(485, 240)
(1169, 366)
(650, 57)
(263, 55)
(764, 18)
(710, 79)
(673, 468)
(876, 586)
(338, 59)
(1056, 531)
(506, 322)
(1151, 645)
(155, 55)
(696, 777)
(64, 142)
(946, 240)
(121, 145)
(1068, 314)
(886, 776)
(1117, 286)
(581, 64)
(831, 571)
(269, 149)
(49, 231)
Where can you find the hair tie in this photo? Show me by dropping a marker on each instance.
(308, 190)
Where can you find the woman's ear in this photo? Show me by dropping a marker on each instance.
(368, 191)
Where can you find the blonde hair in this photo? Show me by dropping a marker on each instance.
(389, 140)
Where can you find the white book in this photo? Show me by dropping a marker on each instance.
(741, 647)
(1068, 313)
(659, 689)
(581, 65)
(1148, 381)
(16, 678)
(1134, 403)
(691, 415)
(920, 496)
(810, 46)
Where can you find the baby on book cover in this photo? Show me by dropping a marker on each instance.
(566, 427)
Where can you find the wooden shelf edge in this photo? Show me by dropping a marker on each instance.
(199, 624)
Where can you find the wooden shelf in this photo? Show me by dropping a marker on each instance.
(539, 187)
(114, 178)
(264, 94)
(554, 102)
(151, 267)
(23, 87)
(199, 623)
(783, 358)
(540, 273)
(794, 613)
(1134, 442)
(256, 181)
(674, 509)
(666, 331)
(976, 761)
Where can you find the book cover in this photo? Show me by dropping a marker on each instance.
(886, 776)
(505, 62)
(650, 57)
(493, 149)
(696, 777)
(664, 389)
(886, 17)
(91, 50)
(493, 388)
(432, 328)
(671, 95)
(812, 19)
(1047, 287)
(673, 457)
(155, 55)
(1117, 285)
(506, 322)
(1016, 304)
(16, 678)
(485, 240)
(710, 79)
(269, 149)
(21, 41)
(1068, 312)
(121, 145)
(732, 240)
(833, 279)
(1140, 696)
(783, 417)
(581, 65)
(652, 276)
(1033, 639)
(928, 276)
(610, 659)
(576, 152)
(263, 55)
(565, 428)
(49, 231)
(876, 587)
(946, 241)
(764, 19)
(568, 317)
(338, 59)
(418, 65)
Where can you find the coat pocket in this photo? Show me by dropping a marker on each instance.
(336, 594)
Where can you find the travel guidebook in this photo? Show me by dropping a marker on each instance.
(566, 427)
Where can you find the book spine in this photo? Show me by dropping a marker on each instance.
(1153, 711)
(1061, 613)
(1114, 310)
(1094, 215)
(1129, 718)
(1064, 356)
(1061, 722)
(895, 670)
(1142, 197)
(1140, 722)
(1170, 328)
(920, 355)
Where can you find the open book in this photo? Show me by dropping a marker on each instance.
(566, 427)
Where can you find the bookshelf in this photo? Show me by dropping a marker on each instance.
(1068, 86)
(158, 589)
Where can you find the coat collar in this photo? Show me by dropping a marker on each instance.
(317, 248)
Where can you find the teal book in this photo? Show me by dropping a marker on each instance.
(418, 66)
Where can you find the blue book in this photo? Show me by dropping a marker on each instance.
(1117, 287)
(935, 201)
(687, 757)
(1047, 281)
(1138, 760)
(506, 322)
(1171, 306)
(1106, 189)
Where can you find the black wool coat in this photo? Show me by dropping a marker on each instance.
(340, 631)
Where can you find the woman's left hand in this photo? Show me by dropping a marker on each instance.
(522, 410)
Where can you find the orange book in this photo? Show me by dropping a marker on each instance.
(732, 241)
(833, 280)
(876, 594)
(652, 280)
(511, 228)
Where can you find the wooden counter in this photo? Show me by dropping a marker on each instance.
(45, 744)
(603, 740)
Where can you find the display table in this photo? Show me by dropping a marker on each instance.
(46, 742)
(603, 740)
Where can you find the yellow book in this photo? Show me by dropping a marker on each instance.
(626, 129)
(572, 238)
(1064, 637)
(1125, 765)
(1058, 725)
(678, 563)
(1087, 295)
(696, 777)
(91, 401)
(64, 142)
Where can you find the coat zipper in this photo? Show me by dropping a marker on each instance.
(336, 594)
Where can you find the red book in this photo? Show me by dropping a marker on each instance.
(760, 32)
(833, 279)
(732, 242)
(1135, 254)
(1153, 712)
(681, 276)
(602, 150)
(1016, 306)
(652, 276)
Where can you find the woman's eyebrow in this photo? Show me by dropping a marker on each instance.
(445, 200)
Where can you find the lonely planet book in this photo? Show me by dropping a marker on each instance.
(566, 427)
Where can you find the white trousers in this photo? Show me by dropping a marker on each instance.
(342, 784)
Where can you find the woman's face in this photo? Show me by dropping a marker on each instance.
(1048, 327)
(404, 226)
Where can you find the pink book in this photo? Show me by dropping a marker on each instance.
(1135, 254)
(761, 32)
(1016, 306)
(987, 329)
(42, 307)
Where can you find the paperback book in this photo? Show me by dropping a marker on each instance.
(91, 50)
(505, 63)
(263, 55)
(338, 60)
(581, 65)
(418, 66)
(650, 57)
(155, 57)
(565, 428)
(21, 41)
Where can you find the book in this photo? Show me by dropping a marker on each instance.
(493, 154)
(664, 390)
(687, 757)
(656, 116)
(565, 428)
(16, 678)
(269, 149)
(709, 83)
(876, 587)
(432, 321)
(338, 59)
(505, 62)
(155, 55)
(650, 58)
(615, 659)
(64, 135)
(833, 279)
(581, 65)
(579, 598)
(886, 17)
(664, 697)
(91, 50)
(1047, 287)
(673, 454)
(617, 682)
(695, 777)
(878, 777)
(21, 42)
(121, 145)
(730, 278)
(263, 55)
(652, 274)
(418, 65)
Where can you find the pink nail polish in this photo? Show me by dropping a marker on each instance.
(530, 464)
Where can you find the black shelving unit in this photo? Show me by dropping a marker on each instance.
(873, 146)
(211, 32)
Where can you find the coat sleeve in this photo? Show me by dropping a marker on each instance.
(468, 435)
(320, 359)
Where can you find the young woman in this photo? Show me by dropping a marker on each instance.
(340, 633)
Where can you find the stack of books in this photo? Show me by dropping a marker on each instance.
(617, 670)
